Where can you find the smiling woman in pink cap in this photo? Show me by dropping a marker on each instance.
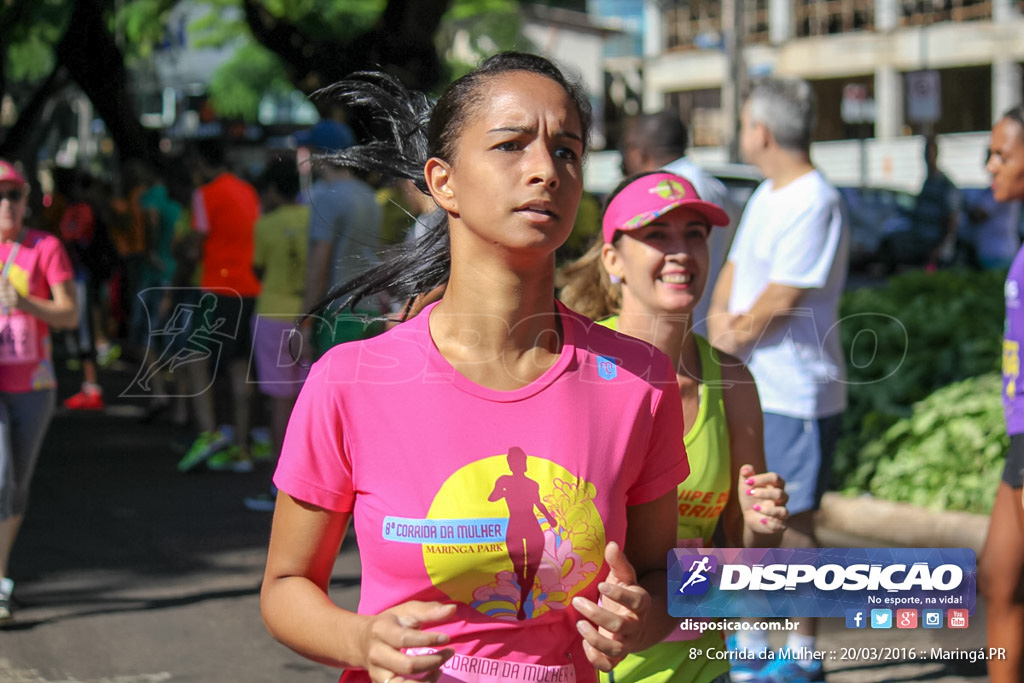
(654, 260)
(36, 292)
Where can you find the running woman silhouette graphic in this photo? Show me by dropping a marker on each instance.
(524, 537)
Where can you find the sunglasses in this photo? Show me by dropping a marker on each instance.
(13, 196)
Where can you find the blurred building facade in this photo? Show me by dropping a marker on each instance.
(885, 71)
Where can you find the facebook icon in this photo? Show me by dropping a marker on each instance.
(856, 618)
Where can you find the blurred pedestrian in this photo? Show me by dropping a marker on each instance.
(655, 236)
(994, 229)
(162, 213)
(929, 236)
(419, 428)
(224, 213)
(280, 262)
(80, 231)
(659, 141)
(776, 307)
(344, 238)
(36, 293)
(1001, 565)
(131, 229)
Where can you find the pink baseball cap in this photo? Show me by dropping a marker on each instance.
(651, 196)
(9, 174)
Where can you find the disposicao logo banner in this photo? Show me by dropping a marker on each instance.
(819, 582)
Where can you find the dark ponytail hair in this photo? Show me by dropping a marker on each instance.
(417, 131)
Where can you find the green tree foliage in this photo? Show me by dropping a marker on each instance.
(236, 88)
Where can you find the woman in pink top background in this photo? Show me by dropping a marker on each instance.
(36, 292)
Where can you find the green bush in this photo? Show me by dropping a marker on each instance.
(920, 332)
(948, 455)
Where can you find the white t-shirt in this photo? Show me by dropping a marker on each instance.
(710, 189)
(795, 236)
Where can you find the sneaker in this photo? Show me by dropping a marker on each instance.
(784, 669)
(86, 399)
(259, 448)
(230, 460)
(202, 448)
(107, 353)
(749, 667)
(6, 588)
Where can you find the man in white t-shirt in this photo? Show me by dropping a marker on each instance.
(776, 307)
(659, 141)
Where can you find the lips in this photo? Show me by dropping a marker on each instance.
(538, 210)
(676, 278)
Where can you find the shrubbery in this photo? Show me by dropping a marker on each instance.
(905, 342)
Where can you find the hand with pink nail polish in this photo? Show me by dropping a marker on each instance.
(763, 502)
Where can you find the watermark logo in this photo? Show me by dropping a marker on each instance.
(881, 618)
(195, 330)
(822, 582)
(697, 580)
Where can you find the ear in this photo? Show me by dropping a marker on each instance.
(612, 262)
(438, 175)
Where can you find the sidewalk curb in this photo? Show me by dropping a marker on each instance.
(902, 524)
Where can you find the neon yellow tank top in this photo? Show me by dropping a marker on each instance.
(702, 498)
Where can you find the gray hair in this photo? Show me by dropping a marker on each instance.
(787, 108)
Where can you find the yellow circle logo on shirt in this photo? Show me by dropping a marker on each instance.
(515, 536)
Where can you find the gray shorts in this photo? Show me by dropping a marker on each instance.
(24, 419)
(801, 452)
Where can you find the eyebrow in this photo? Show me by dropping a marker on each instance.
(527, 129)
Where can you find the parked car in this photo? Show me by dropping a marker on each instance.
(739, 179)
(877, 213)
(874, 213)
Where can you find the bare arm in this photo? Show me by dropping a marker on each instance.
(297, 611)
(318, 268)
(744, 525)
(60, 312)
(737, 333)
(633, 614)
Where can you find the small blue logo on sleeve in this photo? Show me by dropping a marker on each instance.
(607, 368)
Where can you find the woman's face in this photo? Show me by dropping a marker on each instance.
(1006, 160)
(663, 265)
(13, 199)
(517, 175)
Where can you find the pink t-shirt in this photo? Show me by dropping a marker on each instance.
(457, 489)
(26, 362)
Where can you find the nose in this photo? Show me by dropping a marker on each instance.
(542, 168)
(992, 163)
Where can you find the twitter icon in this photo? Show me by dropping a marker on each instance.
(881, 618)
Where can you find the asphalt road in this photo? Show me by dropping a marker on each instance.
(130, 572)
